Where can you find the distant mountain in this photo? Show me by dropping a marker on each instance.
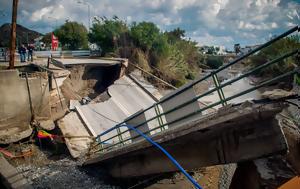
(22, 35)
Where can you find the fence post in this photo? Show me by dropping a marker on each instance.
(219, 90)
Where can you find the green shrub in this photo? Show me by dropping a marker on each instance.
(274, 51)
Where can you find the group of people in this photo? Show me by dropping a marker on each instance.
(22, 51)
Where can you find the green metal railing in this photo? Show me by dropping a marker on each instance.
(218, 87)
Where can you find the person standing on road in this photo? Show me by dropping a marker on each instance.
(22, 52)
(30, 49)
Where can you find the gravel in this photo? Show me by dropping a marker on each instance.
(226, 175)
(64, 173)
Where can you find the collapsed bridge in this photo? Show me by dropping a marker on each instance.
(195, 132)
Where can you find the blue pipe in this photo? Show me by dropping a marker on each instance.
(189, 177)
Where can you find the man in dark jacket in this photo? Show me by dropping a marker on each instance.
(22, 52)
(30, 49)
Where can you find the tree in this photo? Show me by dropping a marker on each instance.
(161, 46)
(145, 34)
(175, 35)
(275, 50)
(107, 32)
(72, 35)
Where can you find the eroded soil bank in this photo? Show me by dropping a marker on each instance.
(88, 81)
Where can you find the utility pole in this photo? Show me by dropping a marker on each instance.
(13, 34)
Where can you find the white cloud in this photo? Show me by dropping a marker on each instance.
(25, 13)
(39, 14)
(261, 26)
(207, 21)
(208, 39)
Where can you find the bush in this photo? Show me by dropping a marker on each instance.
(274, 51)
(144, 34)
(166, 54)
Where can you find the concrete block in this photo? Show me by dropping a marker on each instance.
(135, 122)
(79, 139)
(47, 124)
(176, 101)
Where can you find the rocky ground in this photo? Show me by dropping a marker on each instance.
(63, 173)
(50, 166)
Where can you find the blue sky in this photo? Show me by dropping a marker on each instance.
(209, 22)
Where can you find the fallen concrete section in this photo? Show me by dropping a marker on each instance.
(10, 176)
(95, 118)
(77, 138)
(234, 134)
(138, 78)
(102, 116)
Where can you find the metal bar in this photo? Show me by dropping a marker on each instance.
(218, 89)
(158, 118)
(120, 135)
(29, 97)
(220, 69)
(212, 90)
(228, 99)
(221, 89)
(58, 93)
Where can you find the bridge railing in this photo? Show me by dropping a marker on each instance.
(181, 111)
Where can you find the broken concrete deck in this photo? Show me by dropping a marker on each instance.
(233, 135)
(86, 61)
(126, 98)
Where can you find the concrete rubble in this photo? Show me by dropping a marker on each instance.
(277, 93)
(12, 179)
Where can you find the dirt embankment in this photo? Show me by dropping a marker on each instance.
(88, 81)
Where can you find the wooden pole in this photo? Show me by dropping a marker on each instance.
(13, 34)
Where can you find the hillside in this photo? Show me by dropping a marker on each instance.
(22, 33)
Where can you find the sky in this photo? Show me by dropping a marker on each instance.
(209, 22)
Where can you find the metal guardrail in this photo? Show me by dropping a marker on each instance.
(104, 145)
(77, 53)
